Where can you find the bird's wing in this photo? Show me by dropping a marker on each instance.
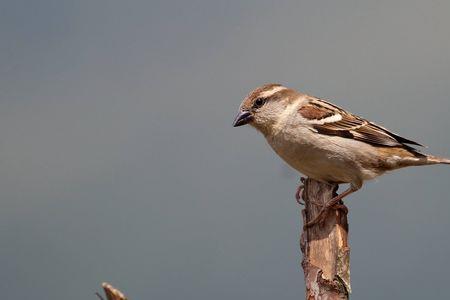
(329, 119)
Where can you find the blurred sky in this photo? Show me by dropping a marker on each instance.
(118, 161)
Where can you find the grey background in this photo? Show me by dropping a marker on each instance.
(118, 161)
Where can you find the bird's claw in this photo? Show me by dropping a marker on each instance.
(320, 218)
(299, 193)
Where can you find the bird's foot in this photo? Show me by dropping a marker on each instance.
(332, 205)
(335, 203)
(340, 206)
(299, 192)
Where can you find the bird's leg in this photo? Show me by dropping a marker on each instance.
(299, 193)
(335, 202)
(340, 205)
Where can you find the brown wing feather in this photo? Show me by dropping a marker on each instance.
(349, 125)
(315, 112)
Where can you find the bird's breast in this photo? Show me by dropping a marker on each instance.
(320, 157)
(297, 150)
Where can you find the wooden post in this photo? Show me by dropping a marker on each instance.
(111, 293)
(326, 254)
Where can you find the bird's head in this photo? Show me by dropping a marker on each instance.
(264, 106)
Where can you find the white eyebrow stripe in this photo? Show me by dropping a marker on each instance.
(272, 91)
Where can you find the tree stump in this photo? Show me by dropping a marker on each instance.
(326, 254)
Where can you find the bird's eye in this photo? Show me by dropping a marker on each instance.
(259, 102)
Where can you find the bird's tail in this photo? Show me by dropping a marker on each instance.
(419, 159)
(433, 160)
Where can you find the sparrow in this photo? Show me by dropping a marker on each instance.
(325, 142)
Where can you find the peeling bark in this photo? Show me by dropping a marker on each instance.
(326, 254)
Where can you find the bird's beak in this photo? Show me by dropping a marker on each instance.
(243, 117)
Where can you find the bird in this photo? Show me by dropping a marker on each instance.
(326, 142)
